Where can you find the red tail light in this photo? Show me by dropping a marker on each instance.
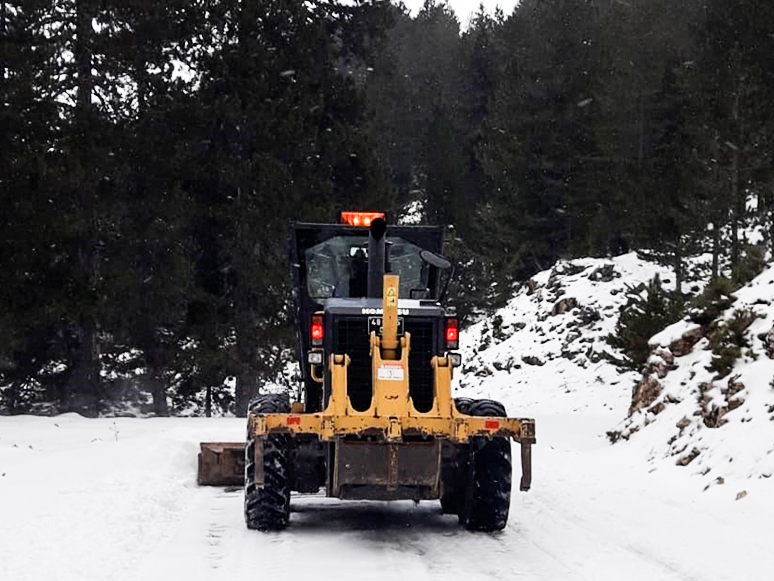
(452, 334)
(317, 331)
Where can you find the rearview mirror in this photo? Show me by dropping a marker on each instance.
(435, 260)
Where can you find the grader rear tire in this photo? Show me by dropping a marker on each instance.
(268, 508)
(487, 476)
(451, 478)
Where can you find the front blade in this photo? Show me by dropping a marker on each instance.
(221, 464)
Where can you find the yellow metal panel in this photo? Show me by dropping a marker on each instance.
(390, 380)
(327, 428)
(442, 385)
(392, 415)
(391, 286)
(339, 401)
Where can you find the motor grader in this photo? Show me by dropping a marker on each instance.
(375, 418)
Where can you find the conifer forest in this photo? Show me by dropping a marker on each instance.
(153, 153)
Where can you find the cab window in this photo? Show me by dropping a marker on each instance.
(338, 267)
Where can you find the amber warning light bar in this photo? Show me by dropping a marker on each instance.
(363, 219)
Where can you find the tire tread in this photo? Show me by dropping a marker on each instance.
(268, 508)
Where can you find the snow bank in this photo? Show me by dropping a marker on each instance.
(720, 426)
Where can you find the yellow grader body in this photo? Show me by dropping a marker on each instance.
(390, 450)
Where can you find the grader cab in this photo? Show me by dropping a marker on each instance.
(376, 419)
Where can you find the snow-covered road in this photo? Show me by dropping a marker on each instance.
(117, 499)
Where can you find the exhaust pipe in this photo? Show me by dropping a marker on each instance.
(376, 257)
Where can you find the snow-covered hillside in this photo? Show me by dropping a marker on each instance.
(545, 351)
(719, 424)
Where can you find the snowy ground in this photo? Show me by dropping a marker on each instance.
(116, 499)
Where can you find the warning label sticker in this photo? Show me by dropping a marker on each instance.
(390, 372)
(392, 298)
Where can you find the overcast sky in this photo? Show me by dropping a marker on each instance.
(464, 8)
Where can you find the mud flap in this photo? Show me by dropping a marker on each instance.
(526, 438)
(526, 467)
(221, 464)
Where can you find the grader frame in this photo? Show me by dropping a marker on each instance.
(391, 417)
(390, 450)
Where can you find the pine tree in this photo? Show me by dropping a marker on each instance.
(731, 80)
(285, 137)
(539, 135)
(28, 119)
(647, 311)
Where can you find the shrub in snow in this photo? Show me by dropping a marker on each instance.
(716, 298)
(751, 264)
(641, 318)
(727, 340)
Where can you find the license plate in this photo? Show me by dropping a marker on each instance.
(375, 325)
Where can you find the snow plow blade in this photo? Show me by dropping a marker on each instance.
(221, 464)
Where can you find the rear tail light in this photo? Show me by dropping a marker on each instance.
(317, 330)
(452, 333)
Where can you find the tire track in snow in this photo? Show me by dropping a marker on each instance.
(217, 530)
(670, 568)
